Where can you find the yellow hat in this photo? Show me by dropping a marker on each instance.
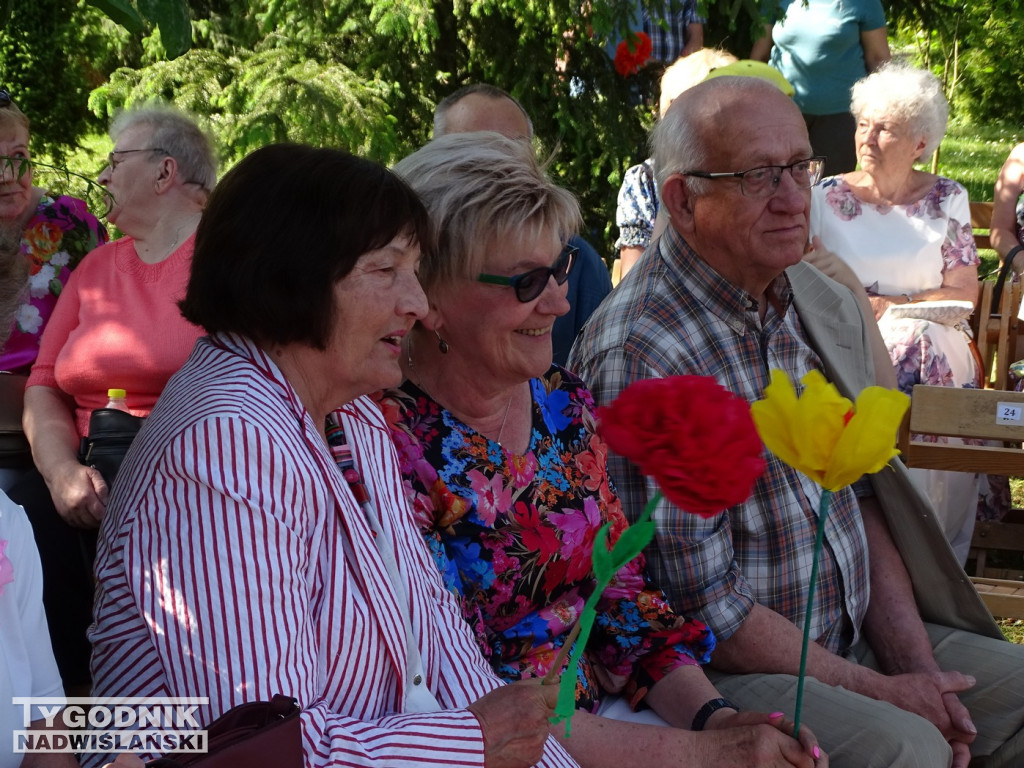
(751, 68)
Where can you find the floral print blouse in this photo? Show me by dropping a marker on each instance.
(637, 206)
(59, 234)
(896, 249)
(513, 535)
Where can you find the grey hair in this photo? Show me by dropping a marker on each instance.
(906, 95)
(682, 138)
(482, 189)
(13, 280)
(484, 89)
(177, 134)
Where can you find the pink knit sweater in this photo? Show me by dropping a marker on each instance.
(117, 324)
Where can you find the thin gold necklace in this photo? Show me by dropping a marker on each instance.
(504, 418)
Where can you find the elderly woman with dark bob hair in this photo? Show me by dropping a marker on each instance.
(906, 234)
(510, 484)
(257, 546)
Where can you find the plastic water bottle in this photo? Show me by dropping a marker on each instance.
(117, 398)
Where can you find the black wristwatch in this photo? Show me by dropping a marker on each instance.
(701, 718)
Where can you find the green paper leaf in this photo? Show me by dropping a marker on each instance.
(607, 562)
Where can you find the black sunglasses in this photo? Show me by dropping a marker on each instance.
(5, 98)
(529, 285)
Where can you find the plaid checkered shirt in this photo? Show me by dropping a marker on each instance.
(668, 42)
(674, 315)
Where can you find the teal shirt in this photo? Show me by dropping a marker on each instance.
(817, 47)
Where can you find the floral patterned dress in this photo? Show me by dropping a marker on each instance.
(513, 535)
(58, 236)
(908, 249)
(905, 249)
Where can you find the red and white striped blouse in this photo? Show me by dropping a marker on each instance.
(234, 563)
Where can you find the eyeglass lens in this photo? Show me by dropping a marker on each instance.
(763, 181)
(530, 285)
(5, 98)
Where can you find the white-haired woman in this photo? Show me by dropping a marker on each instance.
(906, 233)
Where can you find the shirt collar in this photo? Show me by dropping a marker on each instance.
(724, 299)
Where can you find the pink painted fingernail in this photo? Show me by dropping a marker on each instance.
(816, 752)
(776, 715)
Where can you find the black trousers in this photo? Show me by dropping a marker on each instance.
(67, 556)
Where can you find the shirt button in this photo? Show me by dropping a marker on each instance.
(417, 680)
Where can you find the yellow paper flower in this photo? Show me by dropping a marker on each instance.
(822, 434)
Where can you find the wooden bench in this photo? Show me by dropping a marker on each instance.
(988, 414)
(996, 331)
(974, 413)
(1004, 598)
(981, 222)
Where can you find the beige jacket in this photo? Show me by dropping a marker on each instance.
(835, 326)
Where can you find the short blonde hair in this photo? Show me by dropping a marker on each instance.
(687, 71)
(480, 189)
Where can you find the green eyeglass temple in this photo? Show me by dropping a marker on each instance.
(525, 289)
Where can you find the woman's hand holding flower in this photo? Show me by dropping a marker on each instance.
(756, 739)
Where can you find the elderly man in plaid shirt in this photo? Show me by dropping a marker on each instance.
(908, 668)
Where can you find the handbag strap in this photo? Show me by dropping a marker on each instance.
(1004, 272)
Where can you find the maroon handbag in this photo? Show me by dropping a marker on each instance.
(251, 735)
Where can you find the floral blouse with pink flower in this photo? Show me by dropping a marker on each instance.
(58, 236)
(896, 249)
(513, 535)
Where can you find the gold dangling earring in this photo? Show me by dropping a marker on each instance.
(441, 343)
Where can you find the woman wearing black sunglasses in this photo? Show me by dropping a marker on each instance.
(510, 485)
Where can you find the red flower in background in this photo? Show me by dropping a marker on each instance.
(632, 53)
(693, 436)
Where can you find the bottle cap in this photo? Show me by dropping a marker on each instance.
(115, 393)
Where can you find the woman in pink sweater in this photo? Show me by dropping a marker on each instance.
(117, 324)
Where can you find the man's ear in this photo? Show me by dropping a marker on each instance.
(678, 202)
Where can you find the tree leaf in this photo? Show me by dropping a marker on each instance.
(171, 16)
(122, 12)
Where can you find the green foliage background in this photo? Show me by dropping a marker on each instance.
(366, 75)
(46, 54)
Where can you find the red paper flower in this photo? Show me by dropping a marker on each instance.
(632, 53)
(693, 436)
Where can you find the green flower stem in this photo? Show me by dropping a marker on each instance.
(607, 561)
(826, 496)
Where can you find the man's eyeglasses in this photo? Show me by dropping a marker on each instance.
(529, 285)
(113, 163)
(763, 181)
